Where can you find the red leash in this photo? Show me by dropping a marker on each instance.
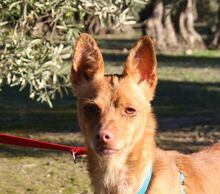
(21, 141)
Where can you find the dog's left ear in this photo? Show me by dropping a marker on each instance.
(141, 65)
(87, 61)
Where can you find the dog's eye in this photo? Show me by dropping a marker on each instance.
(130, 111)
(92, 109)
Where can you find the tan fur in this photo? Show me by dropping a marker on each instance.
(116, 119)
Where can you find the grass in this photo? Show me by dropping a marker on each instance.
(200, 53)
(51, 173)
(187, 106)
(36, 171)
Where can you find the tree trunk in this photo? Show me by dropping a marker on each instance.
(92, 24)
(215, 44)
(153, 25)
(216, 40)
(160, 26)
(169, 32)
(185, 26)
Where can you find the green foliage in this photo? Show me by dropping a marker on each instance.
(36, 39)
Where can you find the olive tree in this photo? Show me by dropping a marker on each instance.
(36, 39)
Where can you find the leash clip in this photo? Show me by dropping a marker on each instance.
(73, 153)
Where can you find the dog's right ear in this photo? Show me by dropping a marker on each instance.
(141, 65)
(87, 60)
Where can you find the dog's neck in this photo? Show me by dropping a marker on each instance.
(123, 173)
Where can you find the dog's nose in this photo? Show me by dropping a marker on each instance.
(104, 136)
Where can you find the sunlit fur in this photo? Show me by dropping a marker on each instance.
(101, 106)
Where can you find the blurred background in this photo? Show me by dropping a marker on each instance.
(36, 42)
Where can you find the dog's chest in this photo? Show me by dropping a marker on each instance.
(113, 180)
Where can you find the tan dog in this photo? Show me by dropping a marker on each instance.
(116, 119)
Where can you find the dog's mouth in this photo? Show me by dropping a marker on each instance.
(106, 151)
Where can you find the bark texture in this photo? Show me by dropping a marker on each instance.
(216, 40)
(153, 26)
(185, 26)
(172, 25)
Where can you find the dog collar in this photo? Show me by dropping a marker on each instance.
(147, 180)
(182, 179)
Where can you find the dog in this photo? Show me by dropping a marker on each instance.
(118, 124)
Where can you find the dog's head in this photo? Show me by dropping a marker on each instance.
(114, 111)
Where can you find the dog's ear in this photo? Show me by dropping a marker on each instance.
(87, 60)
(141, 65)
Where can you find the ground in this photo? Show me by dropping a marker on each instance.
(187, 106)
